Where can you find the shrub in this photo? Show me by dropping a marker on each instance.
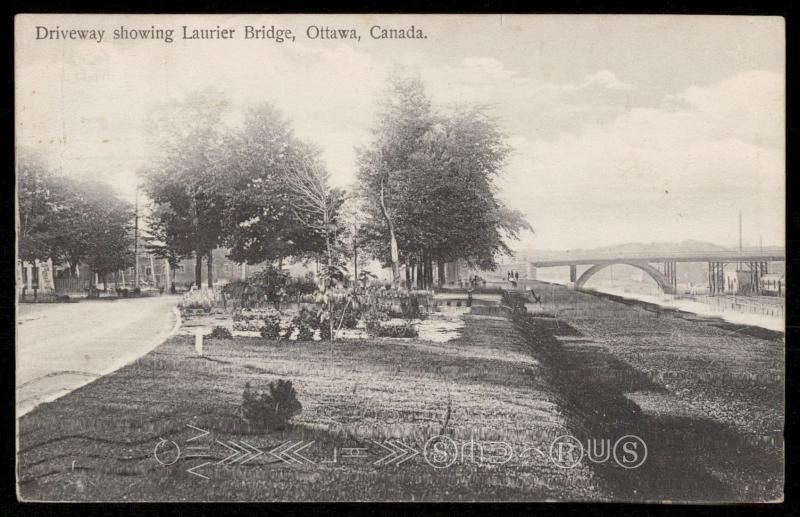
(306, 322)
(196, 299)
(348, 313)
(373, 318)
(409, 307)
(220, 333)
(404, 330)
(255, 319)
(271, 328)
(273, 409)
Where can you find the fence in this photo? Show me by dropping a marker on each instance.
(72, 285)
(744, 305)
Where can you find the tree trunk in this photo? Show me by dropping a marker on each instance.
(105, 282)
(392, 241)
(408, 274)
(355, 259)
(423, 272)
(440, 272)
(198, 268)
(329, 282)
(428, 270)
(210, 269)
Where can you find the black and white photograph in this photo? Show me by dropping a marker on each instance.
(400, 258)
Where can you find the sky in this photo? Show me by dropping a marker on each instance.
(623, 128)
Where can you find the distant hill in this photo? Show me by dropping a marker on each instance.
(630, 248)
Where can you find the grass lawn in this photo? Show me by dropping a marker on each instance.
(705, 395)
(98, 442)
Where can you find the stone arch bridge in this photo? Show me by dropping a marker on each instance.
(663, 268)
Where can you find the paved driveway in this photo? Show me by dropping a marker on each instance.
(63, 346)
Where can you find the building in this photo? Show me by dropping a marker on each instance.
(773, 284)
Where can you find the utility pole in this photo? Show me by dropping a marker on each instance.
(739, 265)
(740, 231)
(136, 241)
(355, 256)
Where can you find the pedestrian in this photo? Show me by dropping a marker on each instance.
(516, 275)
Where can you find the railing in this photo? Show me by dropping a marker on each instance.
(71, 284)
(743, 305)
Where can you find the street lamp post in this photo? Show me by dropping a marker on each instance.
(136, 241)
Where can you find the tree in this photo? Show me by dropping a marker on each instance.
(383, 166)
(437, 169)
(37, 209)
(185, 175)
(71, 220)
(164, 238)
(110, 235)
(258, 220)
(352, 220)
(316, 205)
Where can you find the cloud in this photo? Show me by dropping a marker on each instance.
(676, 171)
(607, 79)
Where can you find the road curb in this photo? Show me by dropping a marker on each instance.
(157, 341)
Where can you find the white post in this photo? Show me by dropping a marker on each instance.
(198, 342)
(28, 274)
(51, 281)
(20, 277)
(167, 274)
(244, 271)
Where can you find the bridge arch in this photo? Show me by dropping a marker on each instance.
(654, 273)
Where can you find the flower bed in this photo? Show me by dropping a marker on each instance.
(203, 299)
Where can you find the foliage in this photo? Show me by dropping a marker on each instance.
(404, 330)
(300, 287)
(271, 328)
(305, 323)
(38, 209)
(427, 180)
(220, 333)
(269, 276)
(185, 179)
(247, 319)
(409, 308)
(347, 313)
(71, 220)
(205, 299)
(373, 318)
(514, 300)
(259, 221)
(273, 409)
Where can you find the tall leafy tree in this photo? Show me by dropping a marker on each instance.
(437, 168)
(383, 165)
(109, 231)
(258, 220)
(38, 204)
(317, 206)
(184, 180)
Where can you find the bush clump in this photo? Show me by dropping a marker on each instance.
(305, 323)
(270, 410)
(220, 333)
(403, 331)
(373, 318)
